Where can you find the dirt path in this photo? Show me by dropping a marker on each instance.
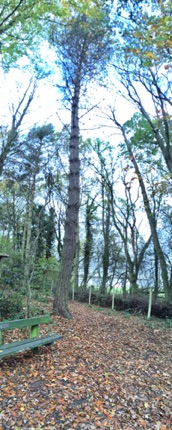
(108, 372)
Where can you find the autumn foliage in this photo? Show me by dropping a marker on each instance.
(109, 372)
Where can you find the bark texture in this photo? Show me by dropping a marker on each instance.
(60, 304)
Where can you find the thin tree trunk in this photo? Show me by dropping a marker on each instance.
(152, 222)
(76, 266)
(156, 282)
(88, 243)
(125, 282)
(24, 237)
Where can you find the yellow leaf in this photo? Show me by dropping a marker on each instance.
(150, 55)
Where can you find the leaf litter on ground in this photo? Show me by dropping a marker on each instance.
(108, 372)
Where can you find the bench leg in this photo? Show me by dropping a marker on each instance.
(34, 331)
(35, 350)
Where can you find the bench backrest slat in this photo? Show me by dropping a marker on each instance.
(28, 322)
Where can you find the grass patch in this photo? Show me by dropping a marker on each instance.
(157, 323)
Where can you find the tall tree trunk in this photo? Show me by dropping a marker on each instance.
(60, 304)
(27, 252)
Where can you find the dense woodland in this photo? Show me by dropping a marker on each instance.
(81, 212)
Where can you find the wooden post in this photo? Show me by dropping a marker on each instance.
(90, 296)
(150, 303)
(113, 297)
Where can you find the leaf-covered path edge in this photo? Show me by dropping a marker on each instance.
(108, 372)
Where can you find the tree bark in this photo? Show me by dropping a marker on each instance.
(27, 250)
(60, 305)
(88, 241)
(76, 265)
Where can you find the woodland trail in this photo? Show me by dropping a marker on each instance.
(108, 372)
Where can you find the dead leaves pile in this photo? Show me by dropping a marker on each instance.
(108, 372)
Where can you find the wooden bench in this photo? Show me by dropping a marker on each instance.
(31, 343)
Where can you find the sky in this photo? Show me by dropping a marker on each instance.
(47, 106)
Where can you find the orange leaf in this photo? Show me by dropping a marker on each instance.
(98, 402)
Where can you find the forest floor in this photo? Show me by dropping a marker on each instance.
(108, 372)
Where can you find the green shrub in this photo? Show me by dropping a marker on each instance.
(45, 274)
(131, 304)
(169, 322)
(12, 272)
(11, 306)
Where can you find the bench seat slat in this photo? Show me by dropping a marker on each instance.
(22, 342)
(16, 347)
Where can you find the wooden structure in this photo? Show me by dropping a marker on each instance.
(31, 343)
